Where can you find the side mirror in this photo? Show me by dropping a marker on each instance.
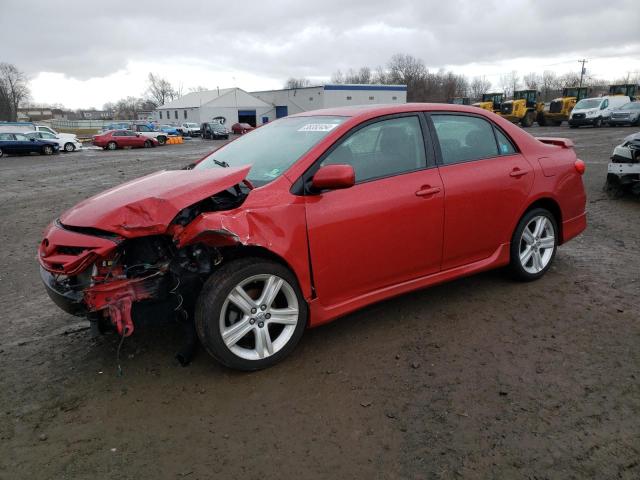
(334, 177)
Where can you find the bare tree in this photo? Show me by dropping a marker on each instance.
(410, 71)
(199, 88)
(14, 89)
(478, 86)
(509, 83)
(297, 83)
(160, 90)
(532, 81)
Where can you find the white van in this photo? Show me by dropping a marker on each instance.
(595, 111)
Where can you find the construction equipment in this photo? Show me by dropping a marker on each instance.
(523, 108)
(560, 108)
(491, 102)
(628, 89)
(460, 101)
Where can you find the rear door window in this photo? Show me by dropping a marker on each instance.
(463, 138)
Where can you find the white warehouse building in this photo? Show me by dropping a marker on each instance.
(225, 105)
(231, 105)
(295, 100)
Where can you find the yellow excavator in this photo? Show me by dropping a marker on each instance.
(491, 102)
(560, 108)
(523, 108)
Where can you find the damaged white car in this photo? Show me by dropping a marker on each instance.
(623, 172)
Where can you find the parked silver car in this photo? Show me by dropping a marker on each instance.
(628, 114)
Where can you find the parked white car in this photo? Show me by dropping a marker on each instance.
(595, 111)
(67, 141)
(190, 129)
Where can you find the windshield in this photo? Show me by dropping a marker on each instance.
(273, 148)
(588, 103)
(631, 106)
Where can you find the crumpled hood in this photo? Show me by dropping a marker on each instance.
(147, 205)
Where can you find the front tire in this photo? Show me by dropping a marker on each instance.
(47, 150)
(161, 140)
(69, 147)
(533, 245)
(597, 123)
(527, 120)
(251, 314)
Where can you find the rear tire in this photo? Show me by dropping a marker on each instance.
(250, 337)
(69, 147)
(533, 245)
(112, 146)
(147, 144)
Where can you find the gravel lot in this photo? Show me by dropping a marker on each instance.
(479, 378)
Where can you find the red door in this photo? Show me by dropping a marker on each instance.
(486, 184)
(384, 230)
(374, 235)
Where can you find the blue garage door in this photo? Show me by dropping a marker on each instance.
(282, 111)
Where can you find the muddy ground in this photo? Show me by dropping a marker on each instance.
(479, 378)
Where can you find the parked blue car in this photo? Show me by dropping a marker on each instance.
(169, 130)
(18, 143)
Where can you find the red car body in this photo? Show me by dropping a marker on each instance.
(346, 247)
(241, 128)
(113, 139)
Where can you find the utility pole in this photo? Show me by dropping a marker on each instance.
(582, 71)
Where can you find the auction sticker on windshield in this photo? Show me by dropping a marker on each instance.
(318, 127)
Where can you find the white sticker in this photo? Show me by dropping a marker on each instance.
(318, 127)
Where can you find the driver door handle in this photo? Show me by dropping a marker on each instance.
(427, 191)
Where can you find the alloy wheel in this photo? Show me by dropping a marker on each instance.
(259, 316)
(537, 244)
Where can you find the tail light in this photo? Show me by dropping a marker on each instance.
(580, 166)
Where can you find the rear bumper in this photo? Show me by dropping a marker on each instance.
(573, 227)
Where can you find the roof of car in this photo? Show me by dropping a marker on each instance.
(385, 109)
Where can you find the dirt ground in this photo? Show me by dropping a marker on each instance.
(478, 378)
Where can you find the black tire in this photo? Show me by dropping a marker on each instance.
(613, 188)
(542, 120)
(161, 140)
(527, 120)
(1, 153)
(47, 150)
(148, 144)
(556, 123)
(211, 301)
(112, 146)
(515, 265)
(69, 147)
(597, 123)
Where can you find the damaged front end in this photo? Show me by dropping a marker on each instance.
(135, 271)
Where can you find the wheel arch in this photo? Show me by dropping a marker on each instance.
(548, 203)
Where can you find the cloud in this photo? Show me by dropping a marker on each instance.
(273, 40)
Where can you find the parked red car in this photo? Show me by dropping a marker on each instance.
(241, 128)
(112, 139)
(313, 216)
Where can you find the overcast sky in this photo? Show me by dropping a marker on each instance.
(85, 53)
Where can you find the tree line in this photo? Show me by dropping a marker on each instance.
(424, 85)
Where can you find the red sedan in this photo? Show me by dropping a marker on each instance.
(241, 128)
(314, 216)
(112, 139)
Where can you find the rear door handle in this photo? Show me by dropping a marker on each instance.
(427, 191)
(517, 172)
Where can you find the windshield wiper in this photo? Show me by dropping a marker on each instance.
(222, 164)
